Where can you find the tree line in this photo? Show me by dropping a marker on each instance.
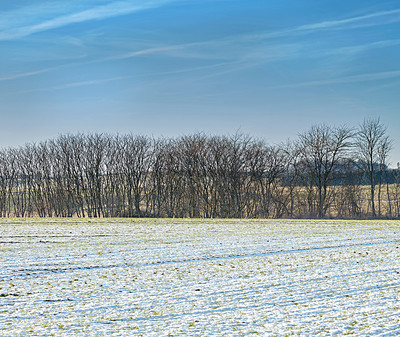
(326, 172)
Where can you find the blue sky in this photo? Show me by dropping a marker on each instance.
(171, 67)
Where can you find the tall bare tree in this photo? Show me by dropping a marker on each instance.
(373, 145)
(99, 175)
(322, 147)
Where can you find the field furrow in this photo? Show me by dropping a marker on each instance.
(199, 277)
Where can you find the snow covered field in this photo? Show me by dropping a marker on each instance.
(199, 277)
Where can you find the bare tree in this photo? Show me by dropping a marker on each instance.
(322, 147)
(384, 149)
(99, 175)
(266, 165)
(135, 165)
(396, 192)
(373, 147)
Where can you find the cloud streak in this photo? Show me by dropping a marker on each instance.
(347, 79)
(27, 74)
(142, 52)
(395, 14)
(113, 9)
(235, 46)
(365, 47)
(239, 51)
(146, 51)
(73, 85)
(372, 19)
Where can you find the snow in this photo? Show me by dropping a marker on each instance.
(162, 277)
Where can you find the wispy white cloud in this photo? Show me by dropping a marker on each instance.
(115, 8)
(240, 60)
(146, 51)
(235, 52)
(355, 49)
(72, 85)
(38, 18)
(251, 50)
(26, 74)
(394, 14)
(192, 69)
(133, 54)
(372, 19)
(346, 79)
(243, 47)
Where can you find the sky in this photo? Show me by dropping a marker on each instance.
(267, 68)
